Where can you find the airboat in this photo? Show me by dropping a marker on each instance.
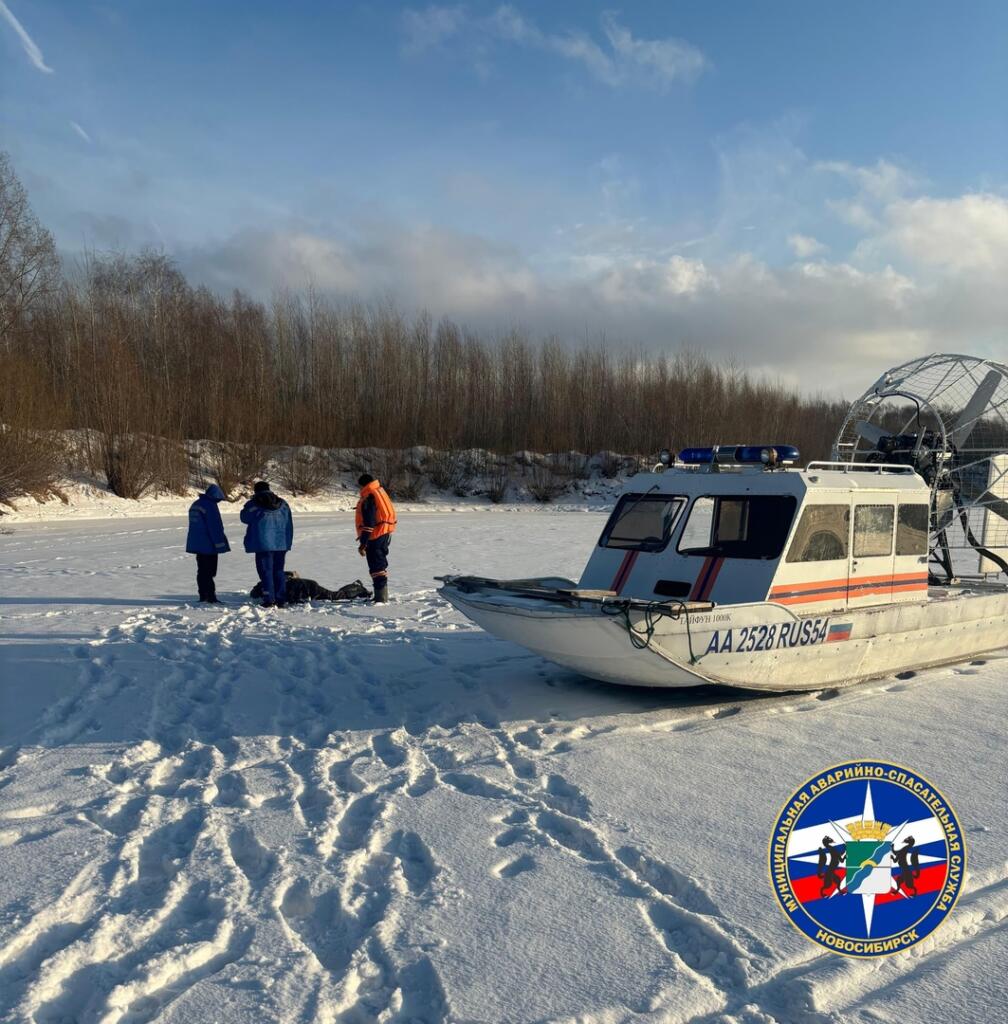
(731, 565)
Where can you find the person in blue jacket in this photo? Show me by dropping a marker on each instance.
(269, 535)
(206, 540)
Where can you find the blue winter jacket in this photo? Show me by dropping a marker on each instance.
(206, 530)
(269, 524)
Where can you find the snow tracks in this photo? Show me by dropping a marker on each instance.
(337, 815)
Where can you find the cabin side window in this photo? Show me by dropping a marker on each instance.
(642, 522)
(873, 530)
(912, 523)
(821, 535)
(747, 526)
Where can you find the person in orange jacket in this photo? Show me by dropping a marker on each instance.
(376, 522)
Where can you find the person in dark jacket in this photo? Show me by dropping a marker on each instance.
(206, 540)
(375, 522)
(269, 535)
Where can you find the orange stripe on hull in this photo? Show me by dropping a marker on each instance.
(842, 584)
(857, 588)
(833, 595)
(830, 590)
(791, 588)
(903, 577)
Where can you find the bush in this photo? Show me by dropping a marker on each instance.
(397, 476)
(498, 477)
(128, 462)
(171, 467)
(30, 465)
(451, 471)
(305, 471)
(235, 467)
(408, 487)
(544, 485)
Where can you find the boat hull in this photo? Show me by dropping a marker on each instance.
(760, 646)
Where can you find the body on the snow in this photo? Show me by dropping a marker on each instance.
(299, 590)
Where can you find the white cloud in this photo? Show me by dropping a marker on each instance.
(804, 246)
(654, 282)
(430, 27)
(626, 59)
(667, 59)
(417, 266)
(853, 212)
(883, 180)
(968, 233)
(830, 325)
(80, 131)
(924, 273)
(31, 50)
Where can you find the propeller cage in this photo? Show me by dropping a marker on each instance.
(946, 416)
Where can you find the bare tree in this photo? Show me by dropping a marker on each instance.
(29, 267)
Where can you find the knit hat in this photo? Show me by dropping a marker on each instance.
(261, 487)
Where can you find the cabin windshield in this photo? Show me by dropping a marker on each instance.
(744, 526)
(642, 522)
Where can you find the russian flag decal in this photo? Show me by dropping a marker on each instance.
(839, 632)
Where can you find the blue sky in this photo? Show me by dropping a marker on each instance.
(792, 184)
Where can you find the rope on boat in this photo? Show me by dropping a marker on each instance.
(653, 613)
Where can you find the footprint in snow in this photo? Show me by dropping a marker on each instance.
(418, 865)
(512, 868)
(566, 797)
(388, 749)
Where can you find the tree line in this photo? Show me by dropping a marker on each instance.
(124, 350)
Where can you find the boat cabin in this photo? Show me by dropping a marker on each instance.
(828, 537)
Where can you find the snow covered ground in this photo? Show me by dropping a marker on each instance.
(349, 813)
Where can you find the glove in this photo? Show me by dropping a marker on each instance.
(362, 550)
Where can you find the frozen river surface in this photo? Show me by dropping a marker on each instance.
(348, 813)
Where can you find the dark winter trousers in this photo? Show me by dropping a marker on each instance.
(270, 566)
(377, 558)
(206, 570)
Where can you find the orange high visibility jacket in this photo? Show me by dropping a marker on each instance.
(384, 513)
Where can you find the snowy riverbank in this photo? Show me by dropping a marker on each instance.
(86, 499)
(350, 813)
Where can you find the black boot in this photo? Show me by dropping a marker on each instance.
(381, 591)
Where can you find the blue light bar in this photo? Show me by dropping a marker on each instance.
(754, 453)
(746, 454)
(696, 456)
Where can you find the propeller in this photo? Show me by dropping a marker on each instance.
(974, 408)
(870, 432)
(964, 425)
(967, 420)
